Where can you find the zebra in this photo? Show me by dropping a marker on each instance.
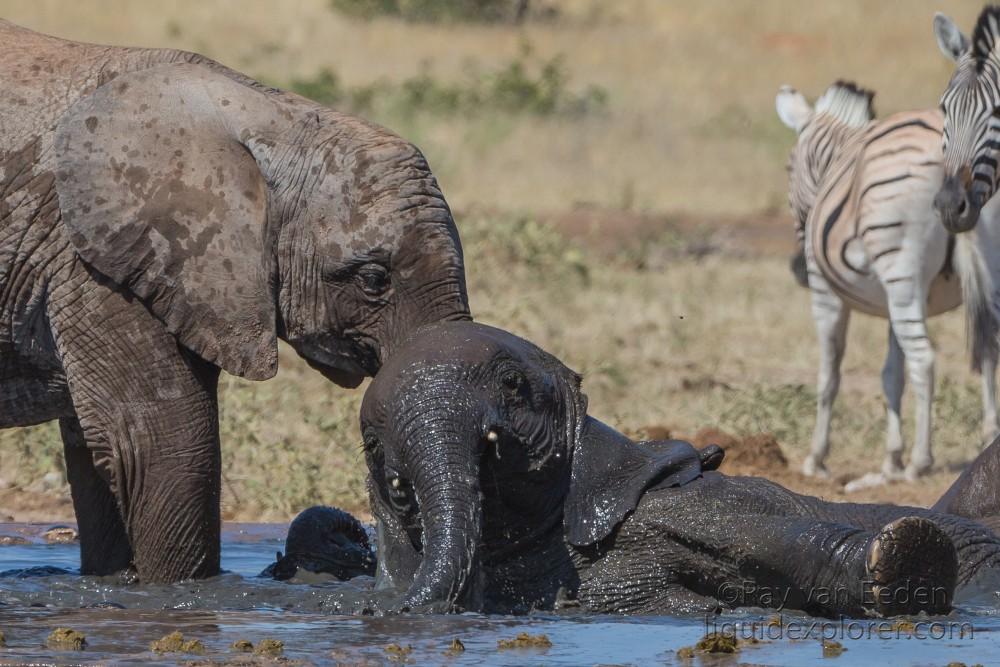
(971, 145)
(869, 240)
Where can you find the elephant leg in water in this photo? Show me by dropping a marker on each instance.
(739, 543)
(157, 452)
(104, 545)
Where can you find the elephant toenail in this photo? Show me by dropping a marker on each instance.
(874, 555)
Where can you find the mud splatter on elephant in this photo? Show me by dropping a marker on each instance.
(163, 218)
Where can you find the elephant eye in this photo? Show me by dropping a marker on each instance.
(513, 382)
(374, 279)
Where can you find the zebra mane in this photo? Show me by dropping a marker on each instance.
(986, 33)
(848, 103)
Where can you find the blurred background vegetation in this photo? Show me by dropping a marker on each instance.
(618, 176)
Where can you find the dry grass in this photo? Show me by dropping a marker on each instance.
(662, 336)
(725, 340)
(691, 123)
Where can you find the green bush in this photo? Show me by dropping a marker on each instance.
(434, 11)
(524, 85)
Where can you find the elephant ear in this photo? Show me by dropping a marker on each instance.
(159, 195)
(610, 473)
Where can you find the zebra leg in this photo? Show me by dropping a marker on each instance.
(832, 316)
(893, 381)
(988, 370)
(906, 311)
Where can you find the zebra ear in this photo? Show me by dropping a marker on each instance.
(951, 41)
(793, 109)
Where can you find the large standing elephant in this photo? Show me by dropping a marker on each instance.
(163, 217)
(493, 489)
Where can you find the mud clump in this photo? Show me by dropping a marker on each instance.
(398, 653)
(524, 640)
(60, 535)
(269, 648)
(242, 646)
(455, 647)
(65, 639)
(175, 643)
(13, 541)
(713, 642)
(3, 640)
(903, 626)
(717, 642)
(832, 649)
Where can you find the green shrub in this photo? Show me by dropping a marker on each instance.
(523, 85)
(435, 11)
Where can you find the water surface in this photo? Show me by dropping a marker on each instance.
(121, 621)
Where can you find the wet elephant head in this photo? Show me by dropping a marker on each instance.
(240, 214)
(324, 540)
(477, 440)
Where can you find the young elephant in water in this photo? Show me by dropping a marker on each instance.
(324, 540)
(494, 490)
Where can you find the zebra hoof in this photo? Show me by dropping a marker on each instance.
(917, 469)
(811, 468)
(892, 471)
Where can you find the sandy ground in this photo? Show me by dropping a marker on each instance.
(758, 455)
(602, 231)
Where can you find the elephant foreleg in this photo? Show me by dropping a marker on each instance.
(149, 416)
(104, 545)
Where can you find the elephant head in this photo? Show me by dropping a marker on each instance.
(477, 440)
(239, 214)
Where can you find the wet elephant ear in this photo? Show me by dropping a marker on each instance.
(159, 195)
(610, 473)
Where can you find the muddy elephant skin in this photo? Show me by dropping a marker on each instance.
(494, 490)
(976, 492)
(163, 217)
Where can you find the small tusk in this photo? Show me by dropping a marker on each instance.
(492, 436)
(395, 482)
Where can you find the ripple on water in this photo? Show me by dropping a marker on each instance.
(121, 622)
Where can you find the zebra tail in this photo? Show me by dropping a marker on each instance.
(977, 295)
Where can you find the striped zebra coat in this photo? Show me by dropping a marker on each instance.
(862, 192)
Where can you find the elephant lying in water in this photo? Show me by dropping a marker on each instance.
(494, 490)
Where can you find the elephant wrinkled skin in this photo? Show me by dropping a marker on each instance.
(494, 490)
(163, 217)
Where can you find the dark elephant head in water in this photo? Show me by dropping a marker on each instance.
(466, 412)
(324, 540)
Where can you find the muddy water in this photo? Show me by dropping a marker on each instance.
(120, 622)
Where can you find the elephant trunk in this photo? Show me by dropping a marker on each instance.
(446, 486)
